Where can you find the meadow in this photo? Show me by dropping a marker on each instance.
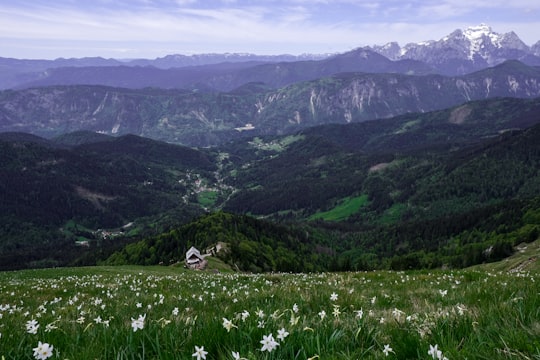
(171, 313)
(346, 208)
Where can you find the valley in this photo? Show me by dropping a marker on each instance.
(285, 179)
(335, 189)
(421, 156)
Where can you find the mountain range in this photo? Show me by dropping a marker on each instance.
(464, 51)
(209, 118)
(459, 53)
(388, 157)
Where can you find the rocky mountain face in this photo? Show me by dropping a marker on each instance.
(201, 119)
(464, 51)
(360, 97)
(535, 49)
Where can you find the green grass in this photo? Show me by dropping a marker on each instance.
(207, 199)
(275, 145)
(526, 258)
(87, 313)
(408, 126)
(343, 210)
(216, 264)
(71, 228)
(393, 214)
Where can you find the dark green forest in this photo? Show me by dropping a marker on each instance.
(450, 188)
(484, 235)
(251, 245)
(45, 186)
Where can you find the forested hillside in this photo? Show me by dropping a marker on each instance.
(366, 210)
(249, 245)
(485, 234)
(453, 188)
(53, 196)
(415, 183)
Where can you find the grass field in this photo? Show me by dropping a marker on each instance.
(393, 214)
(170, 313)
(343, 210)
(207, 198)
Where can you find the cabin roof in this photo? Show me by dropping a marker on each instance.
(193, 255)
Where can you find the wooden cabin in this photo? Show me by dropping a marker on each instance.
(194, 259)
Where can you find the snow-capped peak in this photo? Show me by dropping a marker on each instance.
(463, 50)
(476, 34)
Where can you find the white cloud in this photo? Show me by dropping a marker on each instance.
(273, 26)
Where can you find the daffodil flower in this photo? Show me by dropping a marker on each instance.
(43, 351)
(32, 326)
(435, 353)
(387, 349)
(282, 334)
(227, 324)
(199, 353)
(138, 324)
(268, 343)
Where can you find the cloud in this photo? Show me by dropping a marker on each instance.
(152, 23)
(273, 26)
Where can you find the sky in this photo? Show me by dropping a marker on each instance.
(128, 29)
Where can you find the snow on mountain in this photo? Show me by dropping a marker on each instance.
(477, 34)
(535, 49)
(479, 37)
(465, 50)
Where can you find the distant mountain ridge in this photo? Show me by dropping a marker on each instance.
(209, 118)
(226, 76)
(461, 52)
(15, 72)
(179, 60)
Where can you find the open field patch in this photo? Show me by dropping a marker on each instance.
(346, 208)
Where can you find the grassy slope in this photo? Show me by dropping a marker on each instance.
(467, 314)
(526, 258)
(343, 210)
